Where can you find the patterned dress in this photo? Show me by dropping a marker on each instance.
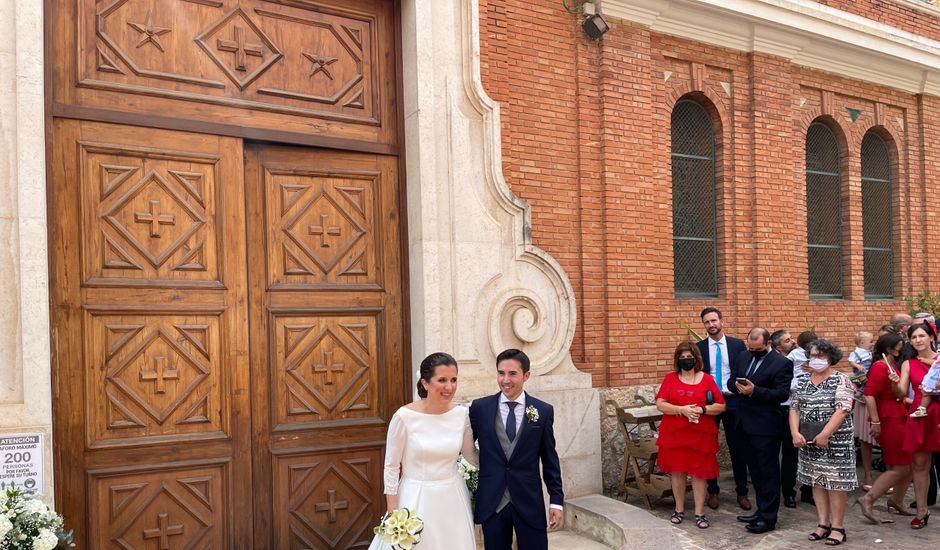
(832, 468)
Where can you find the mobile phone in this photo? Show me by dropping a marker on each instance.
(741, 380)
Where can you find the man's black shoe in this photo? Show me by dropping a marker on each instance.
(789, 501)
(749, 519)
(760, 526)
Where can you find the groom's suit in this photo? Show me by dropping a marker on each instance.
(509, 494)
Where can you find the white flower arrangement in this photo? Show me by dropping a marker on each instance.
(470, 475)
(532, 413)
(401, 528)
(26, 523)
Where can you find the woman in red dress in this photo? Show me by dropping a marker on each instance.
(921, 436)
(887, 412)
(688, 435)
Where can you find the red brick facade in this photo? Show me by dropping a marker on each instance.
(586, 140)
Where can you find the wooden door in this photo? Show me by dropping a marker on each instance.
(326, 340)
(150, 337)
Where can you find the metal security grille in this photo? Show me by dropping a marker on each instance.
(876, 218)
(694, 209)
(824, 212)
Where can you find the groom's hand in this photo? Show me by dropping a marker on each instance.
(555, 518)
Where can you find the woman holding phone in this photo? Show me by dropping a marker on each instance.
(887, 411)
(688, 435)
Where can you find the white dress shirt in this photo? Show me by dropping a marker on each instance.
(519, 411)
(725, 361)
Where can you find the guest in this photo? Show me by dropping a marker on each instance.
(761, 380)
(719, 352)
(688, 435)
(800, 368)
(921, 436)
(861, 359)
(902, 321)
(888, 412)
(821, 426)
(784, 344)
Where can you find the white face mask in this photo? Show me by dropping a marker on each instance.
(818, 364)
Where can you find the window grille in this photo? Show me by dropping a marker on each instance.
(694, 201)
(876, 218)
(824, 212)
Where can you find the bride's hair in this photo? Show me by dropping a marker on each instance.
(430, 363)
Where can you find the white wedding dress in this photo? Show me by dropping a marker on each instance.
(421, 467)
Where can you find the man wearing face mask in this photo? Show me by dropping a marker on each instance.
(762, 380)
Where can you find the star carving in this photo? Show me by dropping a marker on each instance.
(320, 63)
(149, 32)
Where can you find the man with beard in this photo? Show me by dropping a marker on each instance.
(761, 380)
(783, 343)
(718, 355)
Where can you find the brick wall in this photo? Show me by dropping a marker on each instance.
(923, 21)
(586, 141)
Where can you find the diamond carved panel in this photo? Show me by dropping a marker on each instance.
(329, 499)
(325, 368)
(162, 509)
(322, 227)
(153, 376)
(149, 215)
(293, 59)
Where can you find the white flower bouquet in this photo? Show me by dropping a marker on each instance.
(470, 475)
(26, 523)
(401, 528)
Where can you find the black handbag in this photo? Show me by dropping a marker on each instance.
(809, 429)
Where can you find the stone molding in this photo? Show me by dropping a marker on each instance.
(25, 343)
(805, 32)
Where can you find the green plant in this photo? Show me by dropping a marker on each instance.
(925, 301)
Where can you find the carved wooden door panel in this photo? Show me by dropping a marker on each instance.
(149, 291)
(326, 340)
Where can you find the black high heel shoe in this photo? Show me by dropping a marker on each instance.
(920, 523)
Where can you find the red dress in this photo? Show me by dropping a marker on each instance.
(891, 413)
(921, 435)
(684, 446)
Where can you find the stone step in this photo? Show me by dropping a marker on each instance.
(567, 540)
(619, 525)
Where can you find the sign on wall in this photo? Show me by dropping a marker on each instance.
(21, 461)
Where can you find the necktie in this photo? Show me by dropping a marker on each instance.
(511, 420)
(753, 367)
(718, 364)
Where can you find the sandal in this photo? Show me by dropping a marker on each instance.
(827, 530)
(701, 522)
(836, 542)
(919, 412)
(677, 517)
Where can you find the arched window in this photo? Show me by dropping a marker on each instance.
(694, 209)
(876, 218)
(824, 212)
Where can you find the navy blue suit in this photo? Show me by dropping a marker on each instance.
(535, 443)
(760, 423)
(728, 418)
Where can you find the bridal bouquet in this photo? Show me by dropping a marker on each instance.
(401, 528)
(470, 475)
(26, 523)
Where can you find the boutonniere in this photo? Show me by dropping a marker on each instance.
(532, 413)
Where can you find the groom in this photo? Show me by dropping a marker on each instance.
(514, 431)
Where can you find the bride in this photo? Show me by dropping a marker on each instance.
(424, 438)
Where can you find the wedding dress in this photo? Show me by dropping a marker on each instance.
(421, 467)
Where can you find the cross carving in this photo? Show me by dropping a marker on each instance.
(161, 373)
(331, 506)
(163, 531)
(332, 231)
(328, 367)
(155, 220)
(240, 48)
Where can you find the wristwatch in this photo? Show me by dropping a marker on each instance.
(704, 410)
